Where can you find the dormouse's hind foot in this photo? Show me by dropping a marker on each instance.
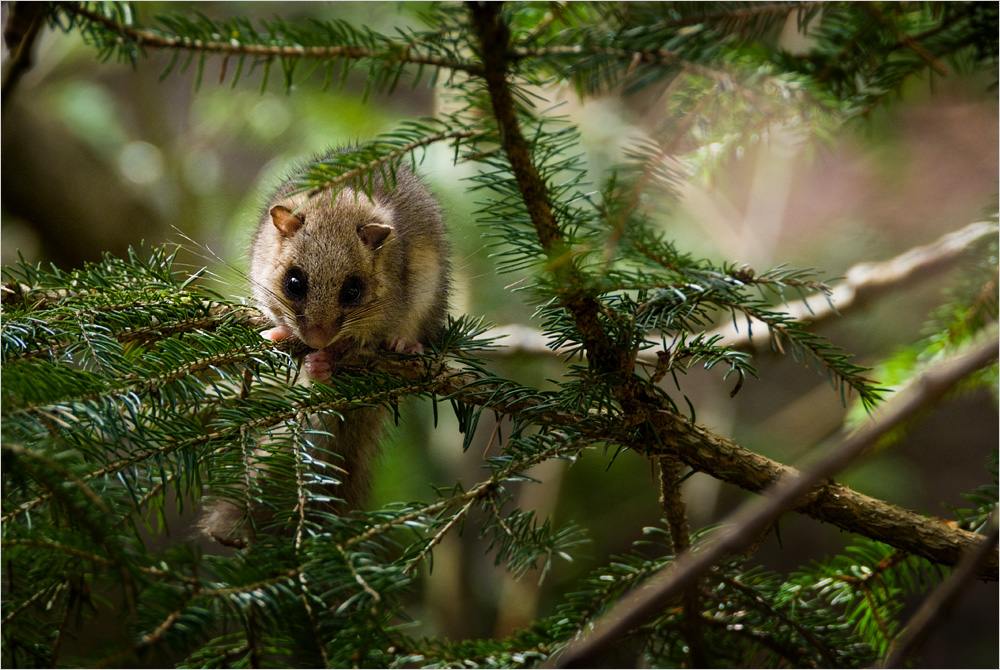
(227, 524)
(401, 346)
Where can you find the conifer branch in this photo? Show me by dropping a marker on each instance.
(394, 52)
(456, 519)
(908, 41)
(740, 14)
(146, 640)
(481, 490)
(699, 448)
(78, 483)
(139, 382)
(386, 159)
(222, 435)
(493, 35)
(787, 620)
(93, 558)
(356, 576)
(46, 592)
(658, 57)
(863, 283)
(62, 548)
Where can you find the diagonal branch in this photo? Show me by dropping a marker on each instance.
(908, 41)
(494, 37)
(20, 32)
(743, 525)
(942, 599)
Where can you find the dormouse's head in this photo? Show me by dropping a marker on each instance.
(319, 266)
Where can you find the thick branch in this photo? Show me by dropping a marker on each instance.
(493, 44)
(720, 457)
(672, 503)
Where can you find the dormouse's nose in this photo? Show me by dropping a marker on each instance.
(318, 336)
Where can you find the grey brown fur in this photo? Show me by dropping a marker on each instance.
(390, 253)
(409, 268)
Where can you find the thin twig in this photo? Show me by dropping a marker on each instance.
(24, 23)
(358, 578)
(143, 642)
(475, 492)
(942, 599)
(439, 536)
(50, 592)
(865, 282)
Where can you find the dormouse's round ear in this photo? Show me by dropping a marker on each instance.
(374, 234)
(287, 223)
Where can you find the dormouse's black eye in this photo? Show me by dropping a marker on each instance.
(352, 291)
(295, 284)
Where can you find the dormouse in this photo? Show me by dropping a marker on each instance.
(345, 272)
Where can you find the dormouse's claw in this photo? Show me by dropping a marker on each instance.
(277, 334)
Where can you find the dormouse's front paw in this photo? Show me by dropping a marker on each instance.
(319, 365)
(401, 346)
(277, 334)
